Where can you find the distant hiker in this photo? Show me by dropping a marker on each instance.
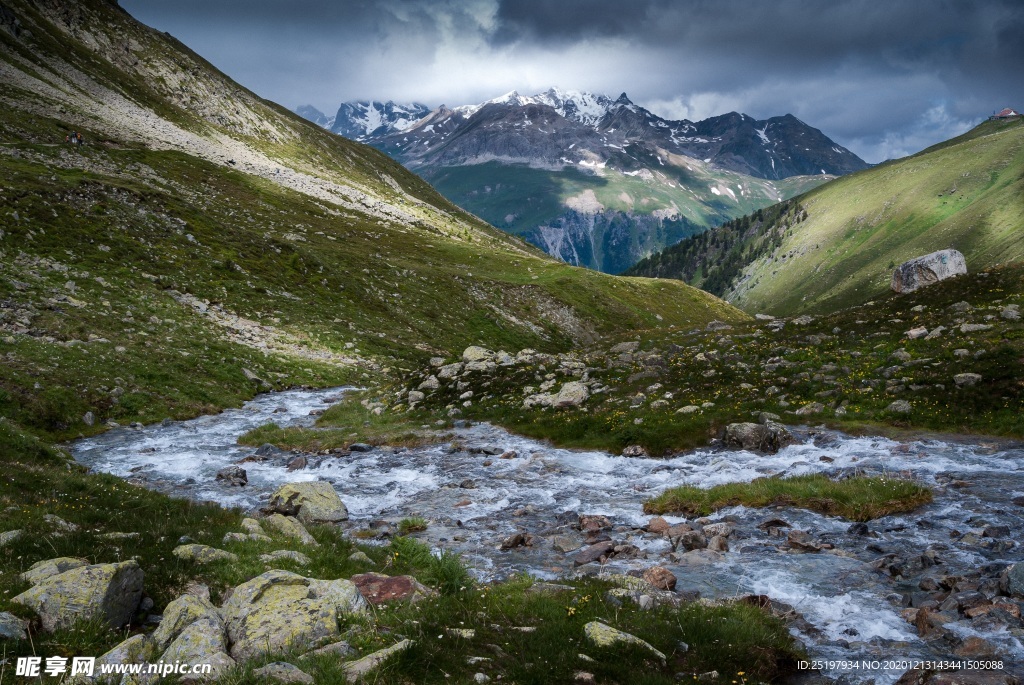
(67, 139)
(79, 136)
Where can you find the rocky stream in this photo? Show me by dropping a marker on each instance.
(928, 585)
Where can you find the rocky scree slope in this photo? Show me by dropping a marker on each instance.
(947, 357)
(837, 245)
(205, 244)
(602, 182)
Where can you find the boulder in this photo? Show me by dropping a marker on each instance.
(660, 577)
(634, 451)
(356, 670)
(12, 627)
(201, 642)
(203, 554)
(931, 268)
(310, 501)
(767, 437)
(449, 370)
(475, 353)
(966, 380)
(286, 555)
(280, 610)
(603, 635)
(283, 672)
(107, 591)
(233, 475)
(135, 649)
(594, 553)
(10, 536)
(180, 614)
(377, 588)
(899, 407)
(41, 570)
(572, 394)
(1012, 581)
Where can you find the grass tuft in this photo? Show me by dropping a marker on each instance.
(857, 499)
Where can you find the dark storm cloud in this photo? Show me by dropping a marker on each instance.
(883, 77)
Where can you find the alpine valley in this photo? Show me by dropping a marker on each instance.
(596, 181)
(273, 407)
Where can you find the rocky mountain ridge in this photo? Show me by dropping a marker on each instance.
(599, 181)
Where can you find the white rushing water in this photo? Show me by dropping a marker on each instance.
(473, 500)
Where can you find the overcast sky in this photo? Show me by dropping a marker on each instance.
(885, 78)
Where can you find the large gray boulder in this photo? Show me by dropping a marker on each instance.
(767, 437)
(572, 394)
(931, 268)
(279, 610)
(310, 501)
(110, 592)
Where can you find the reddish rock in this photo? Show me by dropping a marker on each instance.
(378, 588)
(678, 530)
(590, 523)
(660, 577)
(976, 648)
(657, 525)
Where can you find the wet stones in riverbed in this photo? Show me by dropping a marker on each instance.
(233, 475)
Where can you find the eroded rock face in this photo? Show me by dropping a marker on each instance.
(930, 268)
(310, 502)
(108, 591)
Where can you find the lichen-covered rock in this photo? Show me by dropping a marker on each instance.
(355, 670)
(283, 672)
(603, 635)
(286, 555)
(252, 526)
(135, 649)
(290, 528)
(203, 554)
(181, 613)
(474, 353)
(930, 268)
(12, 627)
(572, 394)
(107, 591)
(10, 536)
(41, 570)
(310, 502)
(279, 610)
(966, 380)
(202, 642)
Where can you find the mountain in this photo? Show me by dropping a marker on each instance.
(837, 245)
(364, 120)
(602, 182)
(204, 243)
(311, 113)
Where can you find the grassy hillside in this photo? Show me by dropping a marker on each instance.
(838, 246)
(143, 271)
(606, 218)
